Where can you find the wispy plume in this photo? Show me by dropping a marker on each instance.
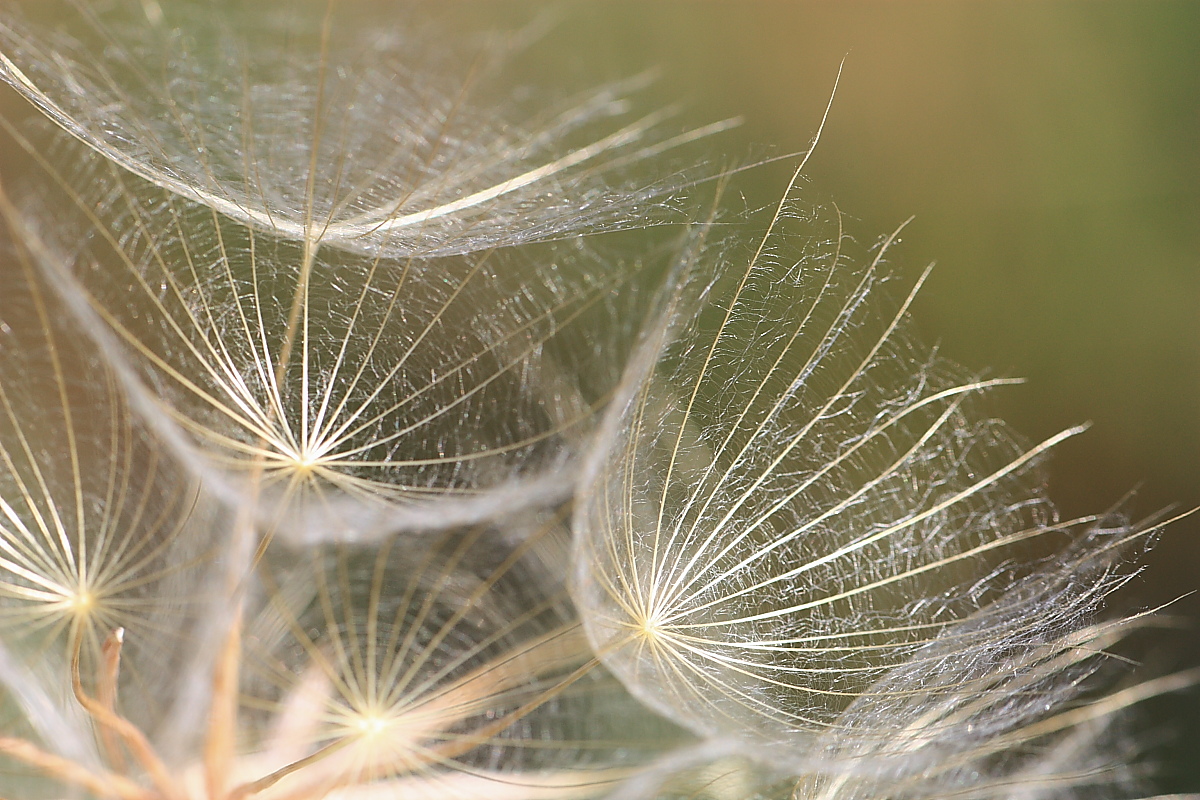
(296, 121)
(316, 362)
(104, 536)
(799, 536)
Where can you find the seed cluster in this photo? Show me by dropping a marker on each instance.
(337, 462)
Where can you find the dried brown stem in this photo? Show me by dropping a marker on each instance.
(102, 784)
(106, 695)
(128, 733)
(219, 745)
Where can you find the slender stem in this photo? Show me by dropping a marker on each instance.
(106, 694)
(102, 784)
(139, 746)
(222, 721)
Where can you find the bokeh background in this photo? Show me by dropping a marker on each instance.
(1050, 152)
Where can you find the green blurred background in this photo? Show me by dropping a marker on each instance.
(1051, 154)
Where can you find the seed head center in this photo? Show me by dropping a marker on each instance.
(371, 725)
(82, 602)
(306, 462)
(649, 626)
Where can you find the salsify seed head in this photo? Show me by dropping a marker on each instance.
(331, 469)
(106, 541)
(799, 535)
(319, 126)
(301, 300)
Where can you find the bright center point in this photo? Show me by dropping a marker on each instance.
(649, 627)
(82, 602)
(305, 463)
(371, 724)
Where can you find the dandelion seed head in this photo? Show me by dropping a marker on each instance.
(798, 539)
(99, 532)
(302, 332)
(418, 660)
(416, 151)
(323, 386)
(298, 288)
